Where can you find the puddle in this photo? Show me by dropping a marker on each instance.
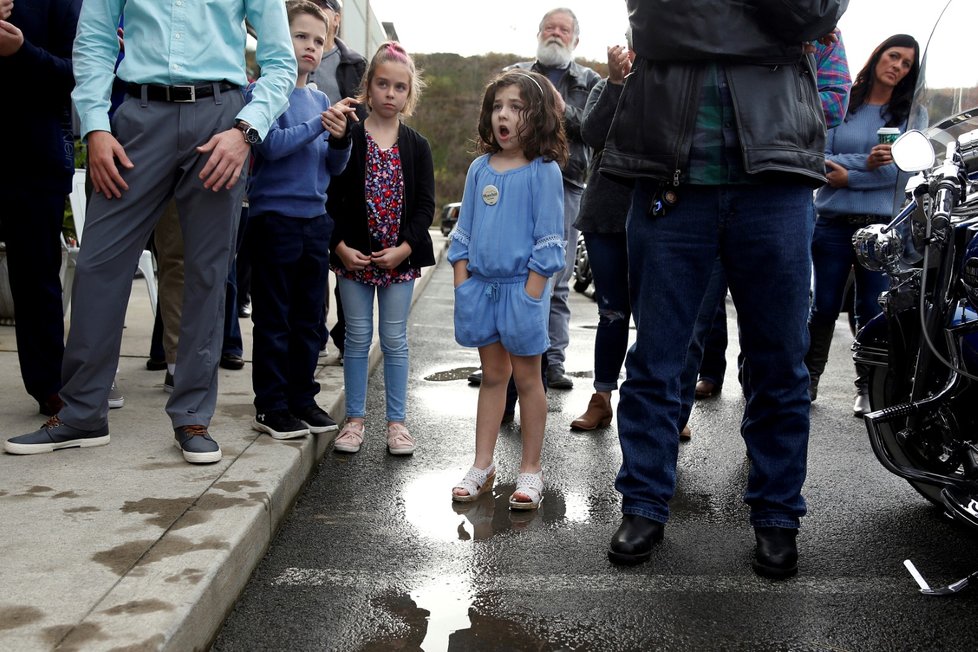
(446, 614)
(459, 373)
(429, 508)
(448, 604)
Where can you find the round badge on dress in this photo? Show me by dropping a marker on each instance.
(490, 195)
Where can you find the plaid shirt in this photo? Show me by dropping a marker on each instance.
(715, 158)
(833, 80)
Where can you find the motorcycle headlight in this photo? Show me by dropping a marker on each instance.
(877, 251)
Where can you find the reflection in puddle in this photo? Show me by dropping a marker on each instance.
(459, 373)
(429, 508)
(448, 604)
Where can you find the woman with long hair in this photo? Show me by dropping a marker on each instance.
(861, 180)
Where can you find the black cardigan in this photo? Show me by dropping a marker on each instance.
(347, 205)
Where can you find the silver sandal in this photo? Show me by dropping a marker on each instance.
(476, 482)
(528, 484)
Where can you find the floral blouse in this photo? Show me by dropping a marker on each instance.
(384, 194)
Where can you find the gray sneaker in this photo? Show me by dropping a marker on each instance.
(196, 444)
(116, 397)
(54, 435)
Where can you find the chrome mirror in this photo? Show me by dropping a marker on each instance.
(913, 152)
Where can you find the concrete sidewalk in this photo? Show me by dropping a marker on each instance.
(127, 546)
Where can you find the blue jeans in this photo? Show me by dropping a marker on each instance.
(833, 257)
(394, 304)
(712, 306)
(290, 269)
(608, 254)
(762, 234)
(559, 327)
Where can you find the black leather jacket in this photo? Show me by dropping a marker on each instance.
(772, 85)
(574, 87)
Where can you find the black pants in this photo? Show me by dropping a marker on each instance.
(31, 219)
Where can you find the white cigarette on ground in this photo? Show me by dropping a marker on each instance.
(921, 582)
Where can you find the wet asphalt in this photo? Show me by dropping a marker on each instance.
(375, 556)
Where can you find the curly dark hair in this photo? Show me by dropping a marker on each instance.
(896, 111)
(542, 131)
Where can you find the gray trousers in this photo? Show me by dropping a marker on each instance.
(559, 326)
(160, 138)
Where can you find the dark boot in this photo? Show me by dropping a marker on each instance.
(820, 337)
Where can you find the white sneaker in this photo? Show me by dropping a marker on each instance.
(116, 398)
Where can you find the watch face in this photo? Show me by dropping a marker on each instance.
(251, 135)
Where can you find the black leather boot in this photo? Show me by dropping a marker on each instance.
(632, 543)
(776, 554)
(820, 341)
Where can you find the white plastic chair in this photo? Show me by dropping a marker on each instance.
(79, 203)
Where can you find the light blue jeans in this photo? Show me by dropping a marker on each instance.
(394, 304)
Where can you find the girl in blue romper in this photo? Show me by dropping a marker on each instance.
(506, 245)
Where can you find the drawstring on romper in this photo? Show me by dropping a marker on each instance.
(492, 290)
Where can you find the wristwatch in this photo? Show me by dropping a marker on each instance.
(250, 133)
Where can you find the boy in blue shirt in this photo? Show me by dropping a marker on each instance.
(290, 233)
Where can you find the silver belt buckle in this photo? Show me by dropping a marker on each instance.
(193, 94)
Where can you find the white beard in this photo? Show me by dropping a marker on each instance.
(554, 54)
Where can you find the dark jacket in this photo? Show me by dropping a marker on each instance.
(348, 208)
(36, 106)
(772, 84)
(574, 87)
(606, 200)
(349, 74)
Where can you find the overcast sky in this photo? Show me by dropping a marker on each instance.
(469, 27)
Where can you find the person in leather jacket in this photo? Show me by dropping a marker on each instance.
(720, 128)
(557, 37)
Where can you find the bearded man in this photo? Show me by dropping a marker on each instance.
(557, 38)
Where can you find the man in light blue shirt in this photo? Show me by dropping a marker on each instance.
(184, 132)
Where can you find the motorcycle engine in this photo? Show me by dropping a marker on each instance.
(878, 250)
(969, 268)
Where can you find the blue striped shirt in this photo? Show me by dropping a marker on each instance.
(182, 42)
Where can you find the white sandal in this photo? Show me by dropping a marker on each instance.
(528, 484)
(476, 482)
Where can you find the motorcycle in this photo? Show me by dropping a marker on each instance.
(923, 349)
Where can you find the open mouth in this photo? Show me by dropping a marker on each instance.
(504, 132)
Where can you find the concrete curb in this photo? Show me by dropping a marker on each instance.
(171, 590)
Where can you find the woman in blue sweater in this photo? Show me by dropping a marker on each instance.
(860, 191)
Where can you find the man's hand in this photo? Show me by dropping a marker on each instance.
(619, 64)
(6, 8)
(837, 176)
(229, 152)
(103, 150)
(11, 38)
(826, 40)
